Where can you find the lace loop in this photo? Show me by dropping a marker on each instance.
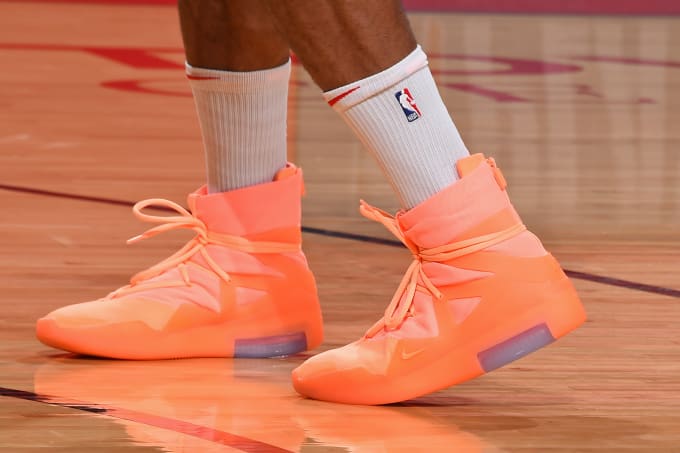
(402, 303)
(197, 244)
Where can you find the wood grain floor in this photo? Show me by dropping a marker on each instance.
(581, 114)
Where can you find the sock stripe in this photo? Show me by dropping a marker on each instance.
(339, 97)
(196, 77)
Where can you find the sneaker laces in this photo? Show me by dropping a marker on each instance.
(198, 244)
(402, 304)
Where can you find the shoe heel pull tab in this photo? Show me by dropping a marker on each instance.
(469, 164)
(497, 174)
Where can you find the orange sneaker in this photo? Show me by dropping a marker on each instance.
(480, 293)
(240, 288)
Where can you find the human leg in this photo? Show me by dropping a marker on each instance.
(481, 291)
(365, 58)
(241, 287)
(238, 68)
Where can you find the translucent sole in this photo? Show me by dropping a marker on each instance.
(275, 346)
(515, 348)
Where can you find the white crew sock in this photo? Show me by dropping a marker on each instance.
(243, 123)
(400, 117)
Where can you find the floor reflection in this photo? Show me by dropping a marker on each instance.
(249, 400)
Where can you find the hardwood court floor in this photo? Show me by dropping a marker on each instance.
(581, 114)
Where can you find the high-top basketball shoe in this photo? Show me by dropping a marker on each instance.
(240, 288)
(480, 293)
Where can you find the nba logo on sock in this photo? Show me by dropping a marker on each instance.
(408, 104)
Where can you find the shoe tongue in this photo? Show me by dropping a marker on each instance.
(286, 172)
(289, 171)
(468, 164)
(253, 210)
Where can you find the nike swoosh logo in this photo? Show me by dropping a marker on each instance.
(409, 355)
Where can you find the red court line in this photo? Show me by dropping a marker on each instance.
(190, 429)
(622, 7)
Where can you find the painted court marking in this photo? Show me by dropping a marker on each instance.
(157, 58)
(190, 429)
(603, 279)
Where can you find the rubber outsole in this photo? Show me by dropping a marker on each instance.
(50, 334)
